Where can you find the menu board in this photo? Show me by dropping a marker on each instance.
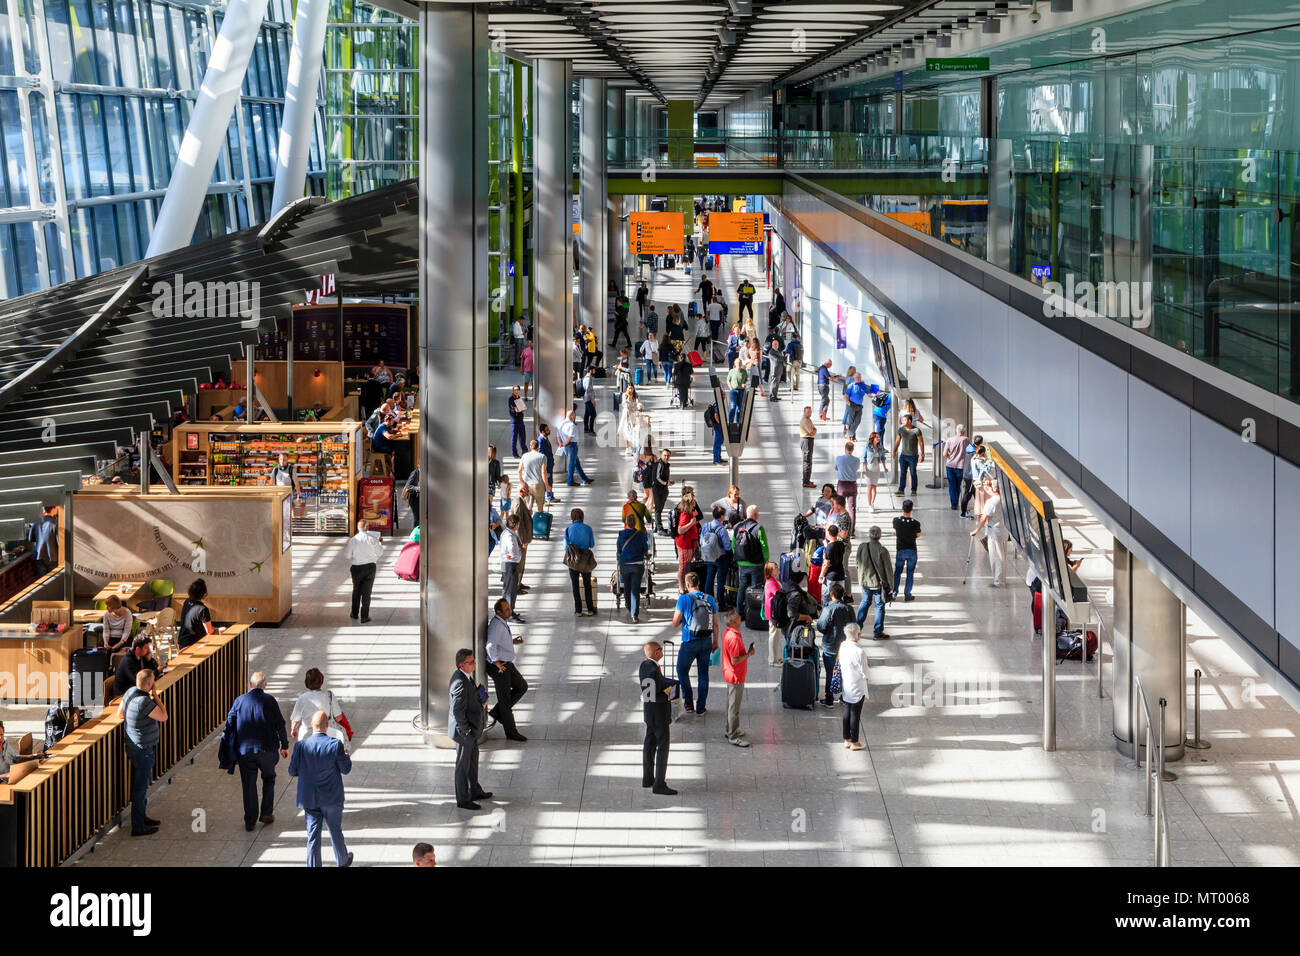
(656, 233)
(736, 233)
(366, 333)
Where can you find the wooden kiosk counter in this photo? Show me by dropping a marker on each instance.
(325, 458)
(236, 539)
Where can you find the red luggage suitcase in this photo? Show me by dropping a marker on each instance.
(695, 359)
(407, 566)
(1038, 611)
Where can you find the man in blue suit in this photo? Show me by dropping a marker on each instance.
(257, 728)
(465, 724)
(319, 763)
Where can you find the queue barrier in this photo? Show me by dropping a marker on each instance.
(86, 782)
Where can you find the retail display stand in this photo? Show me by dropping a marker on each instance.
(325, 458)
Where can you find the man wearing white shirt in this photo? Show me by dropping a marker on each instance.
(512, 553)
(510, 684)
(650, 353)
(534, 475)
(363, 551)
(715, 317)
(521, 339)
(568, 435)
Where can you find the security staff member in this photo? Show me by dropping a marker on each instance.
(656, 691)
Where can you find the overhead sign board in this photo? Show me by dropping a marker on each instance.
(736, 233)
(655, 233)
(956, 64)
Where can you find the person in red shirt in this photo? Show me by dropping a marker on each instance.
(688, 537)
(735, 665)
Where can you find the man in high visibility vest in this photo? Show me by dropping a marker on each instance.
(745, 291)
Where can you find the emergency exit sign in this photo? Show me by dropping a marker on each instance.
(956, 64)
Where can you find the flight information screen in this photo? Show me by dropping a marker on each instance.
(736, 233)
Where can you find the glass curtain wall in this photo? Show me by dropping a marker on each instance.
(94, 99)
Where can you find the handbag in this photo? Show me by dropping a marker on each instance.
(837, 680)
(582, 560)
(716, 657)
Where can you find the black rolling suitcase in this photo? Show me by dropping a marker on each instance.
(754, 610)
(798, 683)
(730, 582)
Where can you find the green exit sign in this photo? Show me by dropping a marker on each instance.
(956, 64)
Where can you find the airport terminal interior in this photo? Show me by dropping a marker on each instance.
(649, 433)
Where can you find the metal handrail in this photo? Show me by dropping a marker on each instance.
(1154, 789)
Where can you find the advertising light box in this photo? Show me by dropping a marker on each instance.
(736, 233)
(655, 234)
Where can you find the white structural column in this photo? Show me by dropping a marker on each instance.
(616, 117)
(206, 131)
(552, 239)
(303, 80)
(453, 345)
(591, 194)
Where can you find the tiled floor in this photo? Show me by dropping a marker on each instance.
(965, 783)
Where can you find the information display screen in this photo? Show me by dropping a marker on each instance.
(736, 233)
(656, 233)
(366, 333)
(1031, 522)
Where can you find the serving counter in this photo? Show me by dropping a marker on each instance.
(86, 781)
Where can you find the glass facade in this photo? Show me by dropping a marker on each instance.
(372, 104)
(1154, 154)
(94, 99)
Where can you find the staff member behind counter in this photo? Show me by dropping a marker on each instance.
(196, 620)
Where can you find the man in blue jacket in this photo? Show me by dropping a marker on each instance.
(257, 727)
(855, 394)
(319, 763)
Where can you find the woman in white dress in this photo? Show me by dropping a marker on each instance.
(313, 699)
(627, 412)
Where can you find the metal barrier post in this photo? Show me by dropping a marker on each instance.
(1101, 643)
(1133, 729)
(1159, 790)
(1049, 670)
(1196, 743)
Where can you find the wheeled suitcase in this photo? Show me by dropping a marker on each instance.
(730, 582)
(638, 375)
(691, 311)
(542, 525)
(407, 565)
(798, 683)
(754, 619)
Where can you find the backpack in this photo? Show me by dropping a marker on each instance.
(700, 622)
(59, 721)
(780, 609)
(748, 549)
(711, 416)
(880, 399)
(577, 389)
(711, 545)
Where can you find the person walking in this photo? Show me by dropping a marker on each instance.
(659, 488)
(633, 549)
(824, 388)
(713, 421)
(906, 530)
(735, 668)
(579, 536)
(363, 551)
(749, 548)
(657, 708)
(875, 463)
(683, 373)
(465, 724)
(411, 492)
(908, 441)
(506, 679)
(696, 614)
(257, 728)
(642, 296)
(975, 457)
(512, 556)
(745, 295)
(568, 435)
(518, 434)
(855, 393)
(995, 532)
(518, 335)
(141, 711)
(875, 577)
(846, 483)
(854, 674)
(320, 762)
(526, 369)
(736, 379)
(835, 617)
(621, 309)
(807, 433)
(589, 401)
(649, 352)
(534, 476)
(548, 451)
(881, 400)
(703, 340)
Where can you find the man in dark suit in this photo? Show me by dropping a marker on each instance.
(465, 723)
(319, 763)
(257, 726)
(656, 700)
